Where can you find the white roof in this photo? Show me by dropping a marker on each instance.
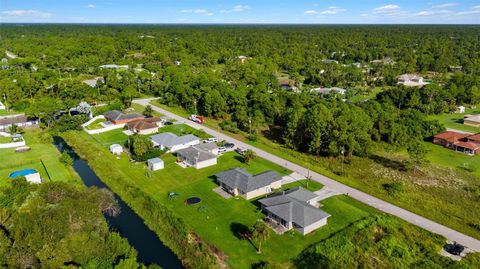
(155, 160)
(115, 146)
(169, 140)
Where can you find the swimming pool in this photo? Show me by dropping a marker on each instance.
(22, 173)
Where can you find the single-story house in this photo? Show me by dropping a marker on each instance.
(463, 142)
(238, 181)
(118, 117)
(208, 147)
(2, 106)
(325, 91)
(116, 149)
(145, 126)
(173, 142)
(411, 80)
(472, 120)
(155, 164)
(113, 66)
(93, 82)
(19, 120)
(295, 209)
(196, 157)
(460, 109)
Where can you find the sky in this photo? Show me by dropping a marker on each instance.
(242, 11)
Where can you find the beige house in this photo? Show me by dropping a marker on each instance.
(238, 182)
(145, 126)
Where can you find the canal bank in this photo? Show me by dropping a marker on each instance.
(128, 224)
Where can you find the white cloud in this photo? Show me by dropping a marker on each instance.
(328, 11)
(386, 9)
(91, 6)
(27, 14)
(237, 8)
(445, 5)
(473, 11)
(200, 11)
(332, 10)
(427, 13)
(476, 7)
(186, 10)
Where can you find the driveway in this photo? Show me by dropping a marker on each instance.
(368, 199)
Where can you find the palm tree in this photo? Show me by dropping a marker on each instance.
(260, 233)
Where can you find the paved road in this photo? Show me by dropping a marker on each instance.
(379, 204)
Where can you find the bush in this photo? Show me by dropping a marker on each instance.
(393, 188)
(229, 126)
(66, 159)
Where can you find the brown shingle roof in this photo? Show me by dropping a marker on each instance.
(450, 136)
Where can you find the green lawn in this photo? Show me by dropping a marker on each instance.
(217, 220)
(137, 108)
(51, 168)
(182, 129)
(5, 139)
(455, 120)
(9, 112)
(442, 192)
(111, 137)
(95, 124)
(366, 94)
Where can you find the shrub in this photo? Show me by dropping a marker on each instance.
(393, 188)
(229, 126)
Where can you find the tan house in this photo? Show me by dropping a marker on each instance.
(145, 126)
(238, 182)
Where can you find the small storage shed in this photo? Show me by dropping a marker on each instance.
(155, 164)
(34, 178)
(116, 149)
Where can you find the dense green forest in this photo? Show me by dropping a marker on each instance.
(198, 68)
(50, 226)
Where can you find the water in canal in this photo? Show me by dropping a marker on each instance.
(128, 224)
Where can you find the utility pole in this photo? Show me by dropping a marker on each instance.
(343, 158)
(250, 124)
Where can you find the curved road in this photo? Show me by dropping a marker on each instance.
(379, 204)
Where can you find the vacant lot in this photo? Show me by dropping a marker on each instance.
(455, 120)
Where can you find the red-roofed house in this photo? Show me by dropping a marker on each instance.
(466, 143)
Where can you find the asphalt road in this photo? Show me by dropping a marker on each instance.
(379, 204)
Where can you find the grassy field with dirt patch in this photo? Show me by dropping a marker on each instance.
(455, 120)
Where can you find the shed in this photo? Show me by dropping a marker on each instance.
(155, 164)
(34, 178)
(116, 149)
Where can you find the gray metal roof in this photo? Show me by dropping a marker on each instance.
(301, 194)
(169, 140)
(194, 155)
(118, 115)
(239, 178)
(287, 207)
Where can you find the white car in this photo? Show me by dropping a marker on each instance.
(211, 140)
(222, 150)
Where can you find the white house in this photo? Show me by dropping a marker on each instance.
(238, 181)
(34, 178)
(411, 80)
(196, 157)
(460, 109)
(172, 142)
(295, 209)
(155, 164)
(116, 149)
(2, 106)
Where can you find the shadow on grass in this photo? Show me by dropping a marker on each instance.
(274, 133)
(389, 163)
(242, 232)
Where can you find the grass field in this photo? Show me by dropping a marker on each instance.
(43, 157)
(218, 220)
(443, 191)
(455, 120)
(95, 124)
(139, 109)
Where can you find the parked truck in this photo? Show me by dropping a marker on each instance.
(197, 119)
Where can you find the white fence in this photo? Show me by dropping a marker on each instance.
(13, 145)
(101, 130)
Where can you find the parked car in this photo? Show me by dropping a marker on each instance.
(210, 140)
(197, 119)
(168, 123)
(222, 150)
(240, 151)
(229, 145)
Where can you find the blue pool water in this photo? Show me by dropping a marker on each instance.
(22, 173)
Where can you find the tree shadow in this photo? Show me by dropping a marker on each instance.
(239, 158)
(389, 163)
(273, 133)
(242, 232)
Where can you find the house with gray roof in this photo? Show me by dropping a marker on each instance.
(239, 182)
(295, 209)
(172, 142)
(117, 117)
(197, 157)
